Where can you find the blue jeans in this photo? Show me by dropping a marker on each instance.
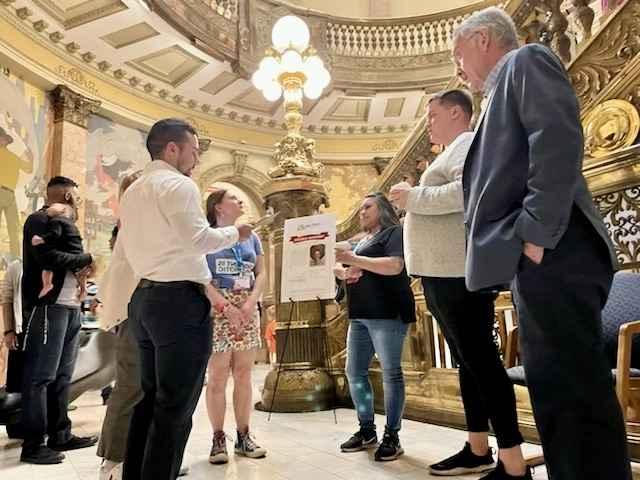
(384, 337)
(51, 348)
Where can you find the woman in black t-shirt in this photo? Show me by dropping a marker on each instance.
(381, 305)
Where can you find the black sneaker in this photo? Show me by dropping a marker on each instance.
(74, 443)
(465, 461)
(500, 474)
(389, 448)
(361, 440)
(41, 456)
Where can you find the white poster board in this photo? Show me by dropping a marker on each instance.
(308, 258)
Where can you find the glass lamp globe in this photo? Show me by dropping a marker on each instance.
(312, 91)
(260, 78)
(324, 78)
(313, 65)
(270, 66)
(290, 31)
(291, 61)
(272, 92)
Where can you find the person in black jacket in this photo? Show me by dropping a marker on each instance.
(63, 232)
(51, 326)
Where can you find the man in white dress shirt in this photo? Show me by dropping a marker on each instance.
(166, 236)
(434, 243)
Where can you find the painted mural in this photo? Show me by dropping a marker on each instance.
(347, 185)
(113, 151)
(25, 136)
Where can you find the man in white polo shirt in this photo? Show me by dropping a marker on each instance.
(165, 237)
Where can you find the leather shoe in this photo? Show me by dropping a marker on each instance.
(41, 455)
(74, 443)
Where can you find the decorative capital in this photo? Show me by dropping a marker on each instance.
(72, 107)
(239, 161)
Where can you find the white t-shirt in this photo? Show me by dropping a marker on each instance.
(69, 293)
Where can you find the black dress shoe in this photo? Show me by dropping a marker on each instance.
(41, 456)
(74, 443)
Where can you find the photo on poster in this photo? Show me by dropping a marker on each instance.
(308, 257)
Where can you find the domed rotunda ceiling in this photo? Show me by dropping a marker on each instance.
(385, 56)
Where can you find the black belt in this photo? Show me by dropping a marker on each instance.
(144, 283)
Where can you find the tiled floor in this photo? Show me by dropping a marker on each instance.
(301, 447)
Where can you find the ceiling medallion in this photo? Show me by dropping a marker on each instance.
(611, 126)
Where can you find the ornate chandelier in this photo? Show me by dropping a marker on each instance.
(292, 68)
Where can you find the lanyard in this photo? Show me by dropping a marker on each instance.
(238, 257)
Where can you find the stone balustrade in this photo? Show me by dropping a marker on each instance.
(367, 39)
(225, 8)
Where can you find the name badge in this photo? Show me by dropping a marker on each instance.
(243, 282)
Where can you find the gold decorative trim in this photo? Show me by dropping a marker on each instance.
(72, 107)
(605, 57)
(614, 171)
(612, 125)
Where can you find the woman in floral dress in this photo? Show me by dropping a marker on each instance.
(238, 281)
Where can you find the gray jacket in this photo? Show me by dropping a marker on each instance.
(523, 173)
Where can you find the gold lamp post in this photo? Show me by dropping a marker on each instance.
(291, 68)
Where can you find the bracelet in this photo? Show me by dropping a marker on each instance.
(7, 332)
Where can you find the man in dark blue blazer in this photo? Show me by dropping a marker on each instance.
(530, 220)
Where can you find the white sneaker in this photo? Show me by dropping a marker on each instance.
(110, 470)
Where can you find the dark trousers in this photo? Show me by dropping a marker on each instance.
(172, 327)
(466, 320)
(559, 304)
(15, 368)
(51, 347)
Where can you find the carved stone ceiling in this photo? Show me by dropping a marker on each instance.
(125, 39)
